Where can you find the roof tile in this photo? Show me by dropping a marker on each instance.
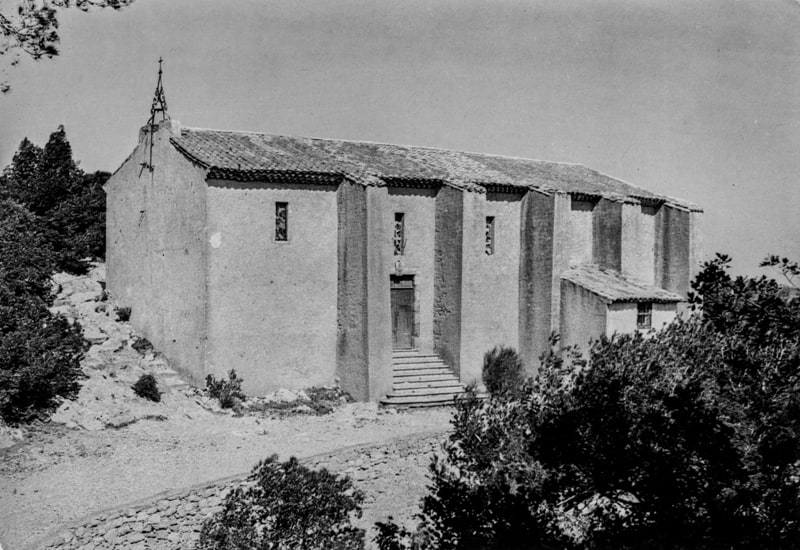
(615, 287)
(251, 156)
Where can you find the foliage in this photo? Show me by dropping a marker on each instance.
(39, 356)
(324, 400)
(32, 28)
(227, 392)
(69, 204)
(123, 313)
(41, 178)
(686, 438)
(390, 536)
(318, 400)
(284, 505)
(502, 370)
(789, 269)
(142, 345)
(39, 353)
(80, 219)
(49, 219)
(27, 258)
(147, 387)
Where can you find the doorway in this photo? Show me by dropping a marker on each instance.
(402, 299)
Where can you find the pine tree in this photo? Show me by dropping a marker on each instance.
(18, 177)
(70, 204)
(58, 175)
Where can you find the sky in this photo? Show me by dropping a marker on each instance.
(697, 100)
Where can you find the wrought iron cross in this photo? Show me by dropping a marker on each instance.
(159, 99)
(159, 106)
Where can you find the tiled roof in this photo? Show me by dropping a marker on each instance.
(615, 287)
(246, 156)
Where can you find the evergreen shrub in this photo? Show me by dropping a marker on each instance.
(686, 438)
(40, 353)
(40, 356)
(69, 203)
(227, 392)
(287, 506)
(142, 345)
(502, 370)
(123, 314)
(52, 217)
(324, 400)
(147, 387)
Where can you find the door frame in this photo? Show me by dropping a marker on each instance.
(404, 282)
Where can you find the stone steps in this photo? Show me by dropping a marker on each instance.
(420, 359)
(421, 380)
(441, 370)
(415, 401)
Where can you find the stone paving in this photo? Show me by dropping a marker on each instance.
(173, 521)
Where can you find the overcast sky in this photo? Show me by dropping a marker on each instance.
(699, 100)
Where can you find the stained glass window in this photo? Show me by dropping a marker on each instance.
(399, 238)
(489, 235)
(281, 221)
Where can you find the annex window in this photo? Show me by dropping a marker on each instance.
(489, 244)
(644, 315)
(281, 221)
(399, 238)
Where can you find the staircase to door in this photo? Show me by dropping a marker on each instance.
(421, 380)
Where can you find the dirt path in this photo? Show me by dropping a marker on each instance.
(79, 464)
(72, 473)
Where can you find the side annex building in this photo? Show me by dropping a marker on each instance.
(389, 270)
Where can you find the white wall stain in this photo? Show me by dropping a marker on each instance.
(215, 240)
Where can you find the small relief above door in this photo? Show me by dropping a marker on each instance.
(402, 298)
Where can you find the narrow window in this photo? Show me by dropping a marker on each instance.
(281, 221)
(489, 235)
(399, 233)
(644, 315)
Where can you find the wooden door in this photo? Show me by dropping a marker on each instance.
(402, 315)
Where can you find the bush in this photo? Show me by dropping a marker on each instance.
(689, 438)
(40, 357)
(51, 216)
(69, 203)
(227, 392)
(27, 258)
(147, 387)
(80, 219)
(123, 314)
(142, 345)
(284, 505)
(324, 400)
(502, 370)
(39, 353)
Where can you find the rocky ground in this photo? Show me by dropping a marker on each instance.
(109, 447)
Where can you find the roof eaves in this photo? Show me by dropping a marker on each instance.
(431, 183)
(282, 176)
(649, 201)
(492, 187)
(366, 180)
(465, 186)
(404, 181)
(592, 197)
(188, 154)
(646, 298)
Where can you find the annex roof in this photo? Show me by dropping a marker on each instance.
(243, 156)
(615, 287)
